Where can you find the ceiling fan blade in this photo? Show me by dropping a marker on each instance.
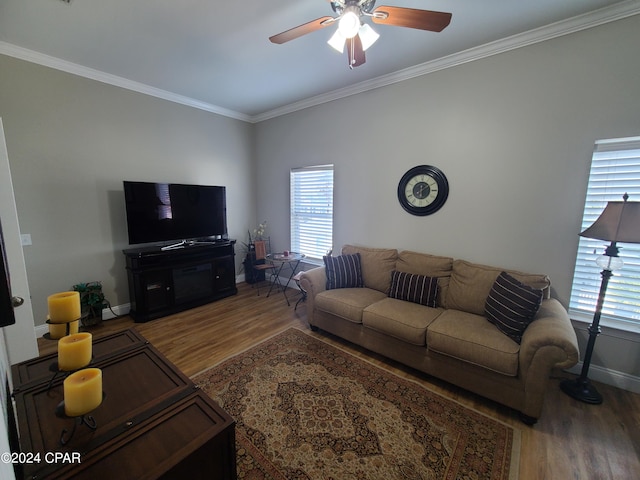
(301, 30)
(355, 53)
(412, 18)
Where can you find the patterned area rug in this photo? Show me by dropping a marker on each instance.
(308, 410)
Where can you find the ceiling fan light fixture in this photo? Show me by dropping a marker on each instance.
(356, 35)
(368, 36)
(349, 23)
(337, 41)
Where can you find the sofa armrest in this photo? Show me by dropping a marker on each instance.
(549, 342)
(313, 282)
(551, 327)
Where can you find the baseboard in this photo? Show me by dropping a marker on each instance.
(116, 311)
(113, 312)
(283, 280)
(41, 330)
(610, 377)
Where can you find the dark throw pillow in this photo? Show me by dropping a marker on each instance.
(414, 288)
(511, 305)
(343, 271)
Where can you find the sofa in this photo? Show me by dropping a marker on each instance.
(442, 316)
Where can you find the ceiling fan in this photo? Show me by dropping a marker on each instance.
(357, 35)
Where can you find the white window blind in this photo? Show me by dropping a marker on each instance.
(312, 210)
(615, 170)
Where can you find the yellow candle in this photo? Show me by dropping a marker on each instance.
(59, 330)
(64, 307)
(73, 327)
(82, 392)
(74, 351)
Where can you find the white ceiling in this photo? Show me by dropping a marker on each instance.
(217, 55)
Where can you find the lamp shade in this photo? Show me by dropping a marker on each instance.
(619, 222)
(337, 41)
(368, 36)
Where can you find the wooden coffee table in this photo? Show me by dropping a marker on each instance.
(153, 422)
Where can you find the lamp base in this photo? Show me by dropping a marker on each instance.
(581, 389)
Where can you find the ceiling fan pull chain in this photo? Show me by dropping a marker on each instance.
(352, 52)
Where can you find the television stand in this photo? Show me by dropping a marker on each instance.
(163, 282)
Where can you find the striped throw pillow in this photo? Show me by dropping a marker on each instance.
(414, 288)
(343, 271)
(511, 305)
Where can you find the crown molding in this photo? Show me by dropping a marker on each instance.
(86, 72)
(558, 29)
(548, 32)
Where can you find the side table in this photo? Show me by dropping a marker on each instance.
(292, 260)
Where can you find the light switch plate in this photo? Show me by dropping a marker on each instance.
(25, 239)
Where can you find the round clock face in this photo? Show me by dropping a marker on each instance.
(423, 190)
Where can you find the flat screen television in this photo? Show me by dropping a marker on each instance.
(165, 212)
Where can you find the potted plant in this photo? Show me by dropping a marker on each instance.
(92, 302)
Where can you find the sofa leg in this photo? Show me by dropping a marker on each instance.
(313, 328)
(527, 420)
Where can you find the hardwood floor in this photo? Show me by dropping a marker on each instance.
(572, 440)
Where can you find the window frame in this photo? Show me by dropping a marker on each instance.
(615, 170)
(315, 180)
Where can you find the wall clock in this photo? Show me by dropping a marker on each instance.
(423, 190)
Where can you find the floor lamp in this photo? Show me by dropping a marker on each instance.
(619, 222)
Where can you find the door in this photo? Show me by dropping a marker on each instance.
(20, 338)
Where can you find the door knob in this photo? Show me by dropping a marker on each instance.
(16, 301)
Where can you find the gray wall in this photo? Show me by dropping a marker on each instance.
(514, 134)
(72, 141)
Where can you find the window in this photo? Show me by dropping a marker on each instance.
(615, 169)
(312, 210)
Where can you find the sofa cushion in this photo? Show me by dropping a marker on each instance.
(347, 303)
(471, 283)
(343, 271)
(414, 288)
(377, 265)
(403, 320)
(470, 338)
(429, 265)
(511, 305)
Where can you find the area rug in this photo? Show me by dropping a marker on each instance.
(308, 410)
